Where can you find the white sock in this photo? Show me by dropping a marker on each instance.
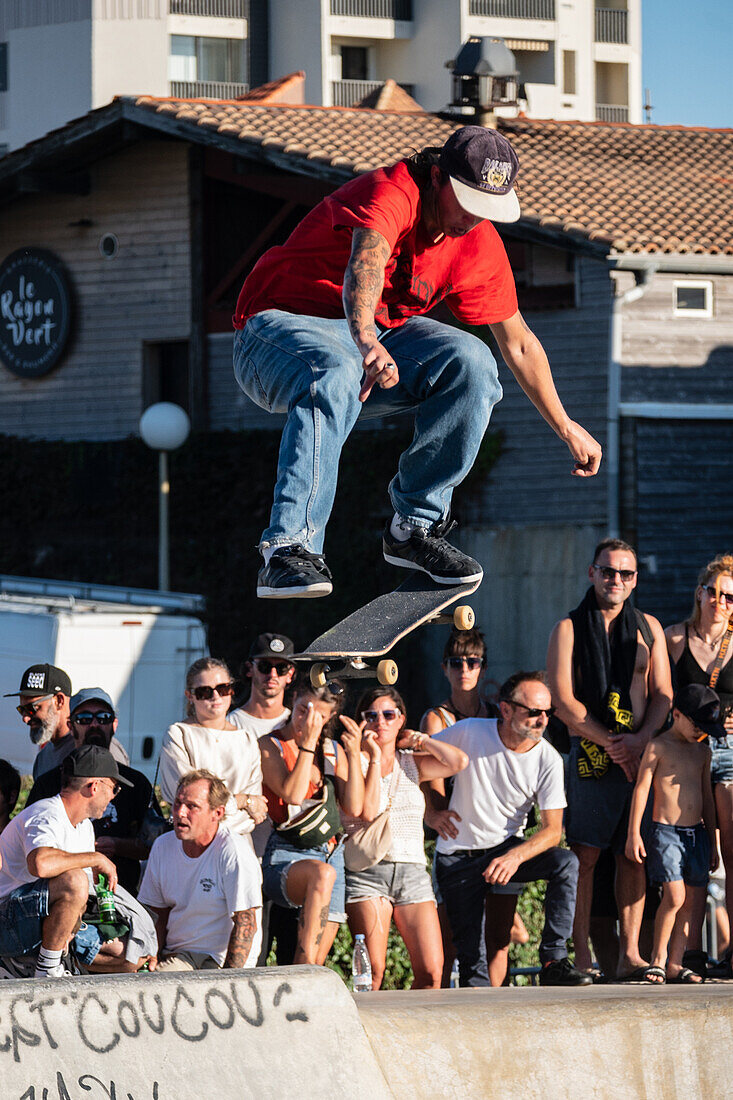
(46, 962)
(268, 551)
(401, 528)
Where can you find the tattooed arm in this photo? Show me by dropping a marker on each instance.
(363, 283)
(240, 941)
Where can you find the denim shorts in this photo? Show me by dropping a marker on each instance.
(721, 766)
(401, 883)
(677, 854)
(279, 858)
(22, 913)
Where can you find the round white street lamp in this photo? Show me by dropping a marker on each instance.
(164, 427)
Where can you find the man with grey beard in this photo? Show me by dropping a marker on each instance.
(44, 707)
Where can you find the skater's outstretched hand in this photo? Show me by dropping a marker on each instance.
(585, 450)
(380, 369)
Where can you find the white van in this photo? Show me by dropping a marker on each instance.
(136, 644)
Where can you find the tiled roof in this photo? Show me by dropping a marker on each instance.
(627, 188)
(288, 90)
(389, 97)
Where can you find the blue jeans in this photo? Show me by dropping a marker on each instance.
(310, 368)
(464, 891)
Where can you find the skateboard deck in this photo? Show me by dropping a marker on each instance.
(374, 629)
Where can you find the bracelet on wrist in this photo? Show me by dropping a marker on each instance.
(304, 749)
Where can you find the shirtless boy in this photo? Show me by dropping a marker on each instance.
(682, 848)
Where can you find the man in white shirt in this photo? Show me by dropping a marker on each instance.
(270, 673)
(511, 768)
(203, 884)
(45, 854)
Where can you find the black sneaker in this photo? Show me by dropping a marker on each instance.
(562, 972)
(427, 550)
(293, 571)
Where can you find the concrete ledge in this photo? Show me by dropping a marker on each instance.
(232, 1035)
(604, 1042)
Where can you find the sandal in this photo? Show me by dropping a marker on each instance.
(686, 977)
(657, 975)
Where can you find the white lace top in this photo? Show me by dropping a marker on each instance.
(406, 816)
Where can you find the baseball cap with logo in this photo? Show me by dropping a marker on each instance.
(271, 645)
(42, 680)
(701, 705)
(93, 762)
(88, 695)
(482, 167)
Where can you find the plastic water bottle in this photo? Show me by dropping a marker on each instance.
(455, 975)
(361, 968)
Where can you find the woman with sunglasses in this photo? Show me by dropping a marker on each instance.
(700, 649)
(208, 740)
(399, 885)
(303, 766)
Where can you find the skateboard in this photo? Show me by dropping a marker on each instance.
(375, 628)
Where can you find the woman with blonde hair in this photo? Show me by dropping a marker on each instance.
(701, 651)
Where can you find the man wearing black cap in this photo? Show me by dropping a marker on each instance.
(44, 707)
(93, 721)
(46, 855)
(270, 673)
(682, 848)
(339, 309)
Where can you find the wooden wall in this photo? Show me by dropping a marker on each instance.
(142, 294)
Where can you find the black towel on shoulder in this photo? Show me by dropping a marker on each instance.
(603, 664)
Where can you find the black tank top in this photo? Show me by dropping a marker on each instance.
(688, 671)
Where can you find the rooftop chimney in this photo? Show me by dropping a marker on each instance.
(485, 77)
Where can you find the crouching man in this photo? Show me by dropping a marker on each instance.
(48, 865)
(203, 884)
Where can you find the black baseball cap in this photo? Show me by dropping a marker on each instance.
(482, 167)
(93, 762)
(276, 646)
(42, 680)
(701, 705)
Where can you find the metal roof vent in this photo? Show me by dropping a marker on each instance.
(485, 77)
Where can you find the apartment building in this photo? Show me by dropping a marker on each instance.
(577, 59)
(61, 58)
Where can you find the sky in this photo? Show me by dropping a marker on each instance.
(687, 61)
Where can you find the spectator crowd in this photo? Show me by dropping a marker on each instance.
(608, 777)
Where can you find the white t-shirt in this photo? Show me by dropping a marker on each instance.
(258, 726)
(202, 893)
(499, 787)
(45, 824)
(233, 755)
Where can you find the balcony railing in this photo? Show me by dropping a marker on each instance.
(219, 9)
(207, 89)
(374, 9)
(345, 93)
(611, 112)
(612, 25)
(513, 9)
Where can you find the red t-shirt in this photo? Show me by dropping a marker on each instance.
(471, 274)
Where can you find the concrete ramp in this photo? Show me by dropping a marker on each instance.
(228, 1035)
(604, 1042)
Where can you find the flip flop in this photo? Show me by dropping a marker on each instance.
(658, 972)
(686, 977)
(639, 974)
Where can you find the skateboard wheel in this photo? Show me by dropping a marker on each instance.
(463, 617)
(318, 676)
(387, 672)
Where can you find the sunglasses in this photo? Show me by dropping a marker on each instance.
(280, 667)
(27, 710)
(469, 662)
(609, 574)
(532, 712)
(203, 691)
(712, 592)
(85, 717)
(374, 715)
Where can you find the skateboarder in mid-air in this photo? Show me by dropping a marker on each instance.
(332, 324)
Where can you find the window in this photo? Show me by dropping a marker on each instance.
(166, 373)
(568, 72)
(197, 59)
(693, 298)
(3, 66)
(354, 63)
